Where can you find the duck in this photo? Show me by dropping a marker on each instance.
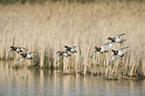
(117, 53)
(25, 55)
(116, 39)
(16, 49)
(99, 49)
(61, 54)
(70, 49)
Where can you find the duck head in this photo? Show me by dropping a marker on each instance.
(12, 47)
(65, 46)
(109, 38)
(22, 54)
(96, 47)
(113, 51)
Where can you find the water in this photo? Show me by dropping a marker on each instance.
(24, 82)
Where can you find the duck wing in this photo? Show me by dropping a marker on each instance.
(73, 47)
(57, 52)
(9, 52)
(93, 53)
(123, 48)
(123, 39)
(105, 45)
(65, 51)
(21, 59)
(66, 54)
(112, 59)
(120, 35)
(31, 53)
(110, 46)
(73, 51)
(22, 48)
(59, 56)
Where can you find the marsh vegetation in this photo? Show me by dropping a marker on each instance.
(46, 28)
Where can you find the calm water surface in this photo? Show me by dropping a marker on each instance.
(24, 82)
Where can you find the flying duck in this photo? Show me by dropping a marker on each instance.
(117, 53)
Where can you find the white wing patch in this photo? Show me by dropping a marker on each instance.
(112, 59)
(21, 59)
(93, 53)
(9, 52)
(110, 46)
(59, 56)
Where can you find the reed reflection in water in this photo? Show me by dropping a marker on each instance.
(47, 82)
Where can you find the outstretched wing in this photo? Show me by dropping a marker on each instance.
(105, 44)
(31, 53)
(21, 59)
(123, 48)
(123, 39)
(110, 46)
(120, 35)
(65, 51)
(112, 59)
(66, 54)
(57, 52)
(93, 53)
(9, 52)
(73, 47)
(22, 48)
(73, 51)
(59, 56)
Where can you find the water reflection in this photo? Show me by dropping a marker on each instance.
(46, 82)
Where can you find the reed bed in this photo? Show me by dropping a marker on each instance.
(46, 28)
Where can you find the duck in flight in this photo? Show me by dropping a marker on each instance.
(62, 54)
(70, 49)
(16, 49)
(25, 55)
(116, 39)
(99, 49)
(117, 53)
